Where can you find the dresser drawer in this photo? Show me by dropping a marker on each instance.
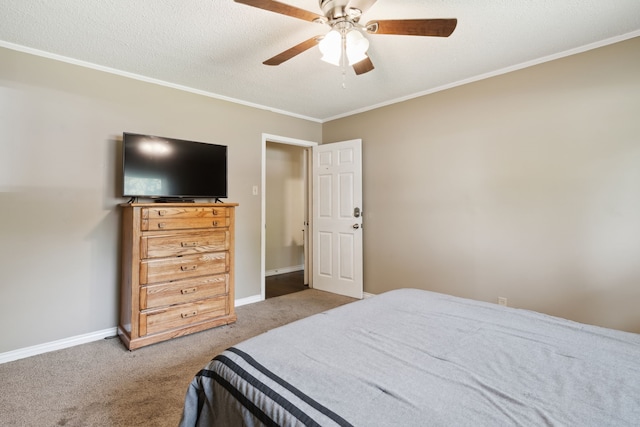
(178, 268)
(166, 218)
(166, 245)
(183, 291)
(160, 320)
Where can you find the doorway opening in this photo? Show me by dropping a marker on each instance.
(280, 284)
(286, 265)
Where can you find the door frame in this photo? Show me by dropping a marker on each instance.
(263, 214)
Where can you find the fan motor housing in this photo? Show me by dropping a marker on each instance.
(337, 9)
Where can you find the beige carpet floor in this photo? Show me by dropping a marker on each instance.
(103, 384)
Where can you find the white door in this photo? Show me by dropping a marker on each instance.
(337, 218)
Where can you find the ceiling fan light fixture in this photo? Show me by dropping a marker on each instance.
(357, 46)
(350, 42)
(331, 47)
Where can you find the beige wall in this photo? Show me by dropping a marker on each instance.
(59, 221)
(525, 185)
(285, 207)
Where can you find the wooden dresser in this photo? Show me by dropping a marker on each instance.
(177, 270)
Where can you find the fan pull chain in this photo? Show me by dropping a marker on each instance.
(343, 58)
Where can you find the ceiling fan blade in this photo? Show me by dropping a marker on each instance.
(361, 5)
(363, 66)
(296, 50)
(413, 27)
(284, 9)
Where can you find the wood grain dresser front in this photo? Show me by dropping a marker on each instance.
(178, 270)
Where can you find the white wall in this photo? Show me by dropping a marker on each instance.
(525, 185)
(60, 126)
(285, 207)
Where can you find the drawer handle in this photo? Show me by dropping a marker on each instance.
(188, 267)
(215, 223)
(188, 291)
(162, 212)
(188, 244)
(189, 314)
(162, 225)
(215, 212)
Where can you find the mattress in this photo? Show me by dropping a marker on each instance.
(413, 358)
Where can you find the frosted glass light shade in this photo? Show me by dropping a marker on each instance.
(331, 47)
(357, 46)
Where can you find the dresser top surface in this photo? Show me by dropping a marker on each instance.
(181, 205)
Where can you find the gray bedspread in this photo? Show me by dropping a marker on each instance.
(416, 358)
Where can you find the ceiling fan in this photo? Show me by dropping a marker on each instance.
(346, 42)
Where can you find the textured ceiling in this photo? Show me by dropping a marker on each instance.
(217, 46)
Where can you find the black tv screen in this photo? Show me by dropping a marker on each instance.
(159, 167)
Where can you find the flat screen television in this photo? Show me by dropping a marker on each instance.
(173, 169)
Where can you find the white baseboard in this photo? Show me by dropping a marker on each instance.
(284, 270)
(22, 353)
(368, 295)
(248, 300)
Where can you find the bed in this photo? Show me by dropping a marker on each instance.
(415, 358)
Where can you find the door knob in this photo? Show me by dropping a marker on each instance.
(356, 226)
